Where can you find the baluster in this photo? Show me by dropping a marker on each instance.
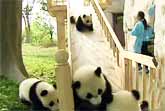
(62, 67)
(159, 73)
(137, 76)
(153, 100)
(108, 35)
(111, 42)
(63, 73)
(113, 47)
(130, 76)
(144, 82)
(117, 55)
(126, 64)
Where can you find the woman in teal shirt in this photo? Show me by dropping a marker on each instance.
(139, 32)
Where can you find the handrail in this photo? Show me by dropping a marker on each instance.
(145, 60)
(139, 58)
(116, 40)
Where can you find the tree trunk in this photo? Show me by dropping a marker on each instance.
(28, 30)
(11, 49)
(27, 38)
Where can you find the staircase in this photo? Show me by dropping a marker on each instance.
(100, 47)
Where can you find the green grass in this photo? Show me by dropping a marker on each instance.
(9, 100)
(40, 63)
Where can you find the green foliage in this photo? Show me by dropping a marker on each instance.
(9, 99)
(40, 61)
(41, 33)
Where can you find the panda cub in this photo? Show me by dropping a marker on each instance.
(39, 94)
(92, 91)
(125, 101)
(83, 22)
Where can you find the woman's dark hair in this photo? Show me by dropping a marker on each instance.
(141, 15)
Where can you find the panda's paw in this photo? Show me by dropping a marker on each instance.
(25, 102)
(72, 20)
(91, 28)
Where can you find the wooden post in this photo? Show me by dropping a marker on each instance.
(137, 76)
(118, 56)
(61, 32)
(62, 68)
(152, 83)
(113, 48)
(64, 81)
(130, 76)
(144, 82)
(159, 71)
(126, 72)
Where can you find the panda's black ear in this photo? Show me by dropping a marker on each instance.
(98, 71)
(136, 94)
(44, 93)
(55, 86)
(84, 16)
(144, 106)
(76, 85)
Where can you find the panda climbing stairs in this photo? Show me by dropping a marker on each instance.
(100, 47)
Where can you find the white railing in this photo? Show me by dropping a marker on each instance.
(150, 84)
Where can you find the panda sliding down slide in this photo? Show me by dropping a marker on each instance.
(92, 92)
(39, 94)
(83, 22)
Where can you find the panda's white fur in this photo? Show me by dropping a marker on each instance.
(50, 97)
(124, 101)
(89, 83)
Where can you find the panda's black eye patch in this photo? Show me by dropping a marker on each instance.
(51, 103)
(100, 91)
(44, 93)
(84, 16)
(87, 21)
(89, 95)
(57, 100)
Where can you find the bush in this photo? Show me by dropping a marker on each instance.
(41, 33)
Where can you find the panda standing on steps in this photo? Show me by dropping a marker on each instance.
(83, 22)
(38, 94)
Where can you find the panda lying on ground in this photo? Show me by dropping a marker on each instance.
(92, 92)
(83, 22)
(39, 94)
